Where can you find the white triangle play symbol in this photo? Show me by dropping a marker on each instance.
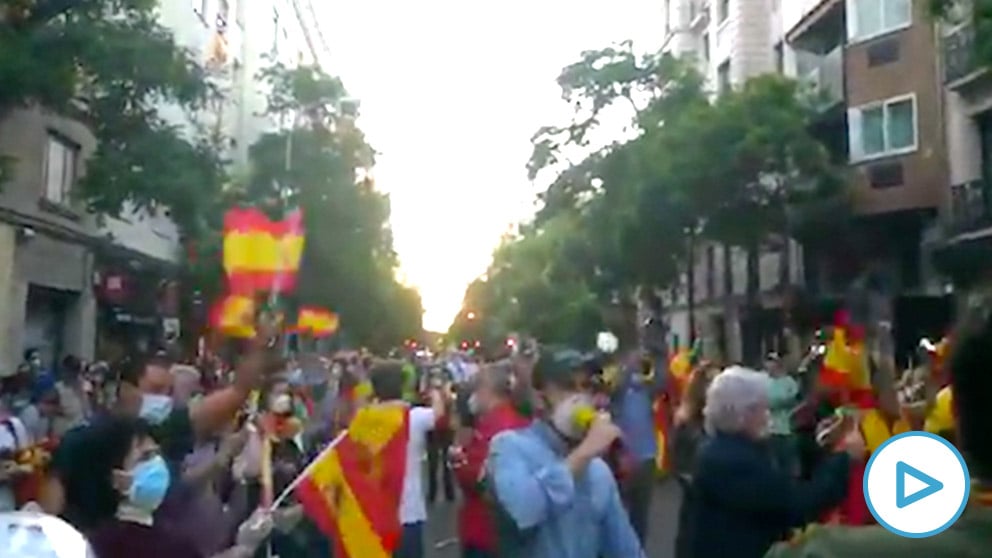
(914, 485)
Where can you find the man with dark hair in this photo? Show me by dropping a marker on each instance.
(971, 355)
(146, 390)
(555, 497)
(388, 380)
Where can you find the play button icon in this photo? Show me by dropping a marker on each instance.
(908, 469)
(906, 472)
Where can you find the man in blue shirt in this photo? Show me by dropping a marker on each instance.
(633, 410)
(550, 485)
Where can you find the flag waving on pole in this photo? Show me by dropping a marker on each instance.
(317, 321)
(261, 255)
(352, 490)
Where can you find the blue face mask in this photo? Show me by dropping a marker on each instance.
(155, 408)
(149, 483)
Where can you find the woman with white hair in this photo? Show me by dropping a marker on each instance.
(741, 502)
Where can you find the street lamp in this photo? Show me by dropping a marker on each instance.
(470, 315)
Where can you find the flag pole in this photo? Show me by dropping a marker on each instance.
(306, 471)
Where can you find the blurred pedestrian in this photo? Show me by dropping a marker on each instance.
(741, 502)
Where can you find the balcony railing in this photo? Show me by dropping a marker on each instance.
(959, 54)
(824, 74)
(971, 207)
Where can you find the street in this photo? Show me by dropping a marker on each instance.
(442, 526)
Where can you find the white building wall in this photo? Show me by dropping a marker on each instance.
(276, 34)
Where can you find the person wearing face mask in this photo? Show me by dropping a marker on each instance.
(130, 480)
(741, 502)
(145, 390)
(491, 408)
(554, 495)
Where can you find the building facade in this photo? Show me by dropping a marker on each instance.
(873, 63)
(965, 244)
(70, 283)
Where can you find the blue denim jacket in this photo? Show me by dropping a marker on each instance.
(567, 516)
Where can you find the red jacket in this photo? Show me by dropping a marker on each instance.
(475, 523)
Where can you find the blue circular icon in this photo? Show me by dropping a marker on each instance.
(928, 462)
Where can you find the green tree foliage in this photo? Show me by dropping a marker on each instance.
(110, 65)
(323, 165)
(536, 284)
(694, 168)
(979, 12)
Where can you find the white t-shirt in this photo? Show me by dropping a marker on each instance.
(412, 505)
(8, 442)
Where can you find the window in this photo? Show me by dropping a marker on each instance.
(61, 157)
(780, 57)
(722, 10)
(710, 271)
(723, 77)
(871, 18)
(883, 129)
(706, 47)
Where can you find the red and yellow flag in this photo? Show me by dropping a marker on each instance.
(260, 254)
(352, 491)
(317, 321)
(234, 316)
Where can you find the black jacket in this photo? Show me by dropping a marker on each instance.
(740, 503)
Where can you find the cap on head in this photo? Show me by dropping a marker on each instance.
(557, 366)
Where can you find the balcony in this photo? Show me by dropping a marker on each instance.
(960, 64)
(971, 207)
(824, 75)
(824, 21)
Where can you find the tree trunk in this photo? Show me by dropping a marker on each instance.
(751, 332)
(691, 287)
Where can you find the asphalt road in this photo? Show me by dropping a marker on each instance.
(442, 526)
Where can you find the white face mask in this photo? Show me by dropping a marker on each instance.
(563, 416)
(473, 404)
(155, 408)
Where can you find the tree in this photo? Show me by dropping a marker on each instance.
(979, 12)
(692, 169)
(110, 65)
(323, 165)
(537, 284)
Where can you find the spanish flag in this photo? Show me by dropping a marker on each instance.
(317, 321)
(234, 316)
(259, 254)
(352, 490)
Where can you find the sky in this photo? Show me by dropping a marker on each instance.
(451, 93)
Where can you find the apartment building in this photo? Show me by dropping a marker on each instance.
(890, 133)
(731, 41)
(67, 278)
(965, 246)
(873, 63)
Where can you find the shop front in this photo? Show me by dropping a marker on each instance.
(137, 309)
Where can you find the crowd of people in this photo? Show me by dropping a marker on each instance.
(549, 452)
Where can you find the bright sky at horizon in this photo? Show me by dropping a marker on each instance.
(451, 93)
